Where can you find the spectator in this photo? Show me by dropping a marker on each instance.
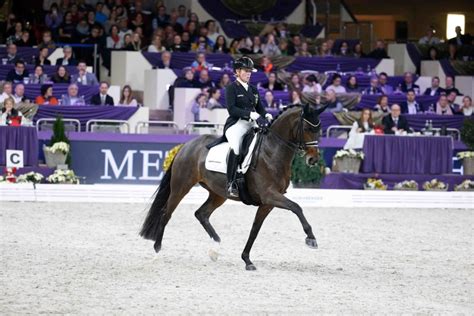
(294, 45)
(433, 53)
(382, 104)
(47, 41)
(295, 97)
(46, 97)
(358, 51)
(336, 85)
(83, 77)
(38, 77)
(214, 96)
(204, 81)
(187, 81)
(266, 65)
(82, 30)
(19, 73)
(379, 52)
(330, 43)
(200, 63)
(270, 100)
(126, 98)
(186, 39)
(451, 97)
(225, 81)
(201, 46)
(449, 83)
(408, 83)
(156, 45)
(312, 85)
(102, 98)
(182, 18)
(68, 59)
(257, 45)
(42, 58)
(67, 29)
(333, 105)
(221, 45)
(359, 128)
(272, 83)
(435, 88)
(212, 32)
(453, 53)
(394, 123)
(344, 49)
(25, 40)
(373, 88)
(10, 115)
(11, 54)
(123, 29)
(178, 46)
(442, 107)
(15, 32)
(7, 91)
(72, 97)
(112, 20)
(114, 41)
(351, 85)
(383, 85)
(270, 48)
(234, 47)
(19, 95)
(61, 75)
(303, 50)
(127, 43)
(283, 46)
(100, 17)
(199, 103)
(161, 19)
(467, 109)
(193, 30)
(411, 106)
(429, 38)
(460, 39)
(295, 82)
(324, 49)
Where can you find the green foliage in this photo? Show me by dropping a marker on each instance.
(467, 133)
(304, 174)
(59, 135)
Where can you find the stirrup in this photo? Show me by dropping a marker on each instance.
(232, 190)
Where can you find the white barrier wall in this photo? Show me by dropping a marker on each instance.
(432, 68)
(183, 102)
(465, 85)
(403, 62)
(129, 68)
(141, 115)
(424, 82)
(218, 116)
(157, 82)
(387, 66)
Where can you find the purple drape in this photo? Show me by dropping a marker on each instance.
(447, 67)
(347, 181)
(86, 113)
(369, 101)
(407, 155)
(49, 70)
(322, 64)
(182, 60)
(34, 90)
(414, 54)
(234, 30)
(25, 53)
(363, 80)
(216, 76)
(21, 138)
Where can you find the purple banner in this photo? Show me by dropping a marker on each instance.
(20, 138)
(49, 70)
(60, 89)
(181, 60)
(322, 64)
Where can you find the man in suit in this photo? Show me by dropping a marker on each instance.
(379, 52)
(12, 58)
(435, 88)
(374, 87)
(395, 123)
(450, 86)
(19, 73)
(411, 106)
(383, 85)
(102, 98)
(83, 77)
(408, 83)
(460, 39)
(165, 62)
(243, 103)
(67, 60)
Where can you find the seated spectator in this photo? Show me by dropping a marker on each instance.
(12, 57)
(429, 38)
(383, 85)
(9, 113)
(351, 85)
(266, 65)
(54, 17)
(201, 45)
(312, 85)
(42, 58)
(379, 52)
(200, 63)
(182, 15)
(257, 45)
(394, 123)
(360, 127)
(269, 101)
(358, 51)
(199, 103)
(442, 106)
(19, 73)
(336, 85)
(61, 76)
(165, 62)
(452, 102)
(303, 51)
(46, 97)
(156, 45)
(68, 59)
(295, 97)
(449, 83)
(214, 95)
(19, 95)
(294, 45)
(272, 83)
(83, 77)
(433, 54)
(225, 81)
(295, 82)
(126, 98)
(373, 89)
(204, 81)
(283, 46)
(411, 106)
(382, 105)
(178, 45)
(453, 53)
(102, 98)
(344, 50)
(7, 91)
(26, 40)
(47, 41)
(135, 43)
(435, 88)
(324, 50)
(38, 77)
(408, 83)
(113, 41)
(67, 29)
(212, 32)
(187, 81)
(334, 105)
(221, 45)
(72, 97)
(14, 33)
(467, 109)
(161, 19)
(270, 48)
(460, 39)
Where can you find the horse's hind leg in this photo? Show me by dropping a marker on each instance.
(205, 211)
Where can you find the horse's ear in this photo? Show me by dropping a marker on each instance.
(321, 110)
(306, 108)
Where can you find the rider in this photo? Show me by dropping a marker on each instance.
(244, 106)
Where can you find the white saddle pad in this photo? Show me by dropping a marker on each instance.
(216, 159)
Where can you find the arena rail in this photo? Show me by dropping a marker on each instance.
(203, 128)
(67, 122)
(172, 125)
(92, 124)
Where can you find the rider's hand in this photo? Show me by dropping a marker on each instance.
(254, 116)
(269, 117)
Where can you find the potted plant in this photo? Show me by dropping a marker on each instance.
(466, 185)
(58, 151)
(347, 161)
(375, 184)
(63, 176)
(435, 185)
(30, 177)
(407, 185)
(304, 176)
(467, 136)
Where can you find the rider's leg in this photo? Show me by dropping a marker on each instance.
(234, 136)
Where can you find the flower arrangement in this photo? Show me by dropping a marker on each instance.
(406, 185)
(63, 176)
(375, 184)
(9, 175)
(170, 157)
(465, 154)
(30, 177)
(435, 185)
(61, 147)
(351, 153)
(466, 185)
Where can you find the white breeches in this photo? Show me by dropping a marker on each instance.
(235, 133)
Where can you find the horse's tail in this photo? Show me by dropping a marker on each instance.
(152, 222)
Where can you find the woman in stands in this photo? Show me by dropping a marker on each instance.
(312, 85)
(303, 51)
(272, 83)
(358, 52)
(467, 108)
(382, 105)
(38, 77)
(224, 82)
(352, 86)
(214, 96)
(364, 125)
(295, 97)
(46, 97)
(221, 45)
(114, 41)
(156, 45)
(295, 82)
(61, 75)
(10, 115)
(126, 98)
(336, 84)
(270, 102)
(42, 58)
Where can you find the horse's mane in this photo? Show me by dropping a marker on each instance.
(284, 110)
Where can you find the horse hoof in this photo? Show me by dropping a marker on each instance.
(250, 267)
(157, 248)
(213, 254)
(311, 243)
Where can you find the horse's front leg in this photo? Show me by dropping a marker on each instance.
(277, 199)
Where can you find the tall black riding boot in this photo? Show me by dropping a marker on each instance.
(232, 164)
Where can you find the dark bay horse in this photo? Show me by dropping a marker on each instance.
(295, 130)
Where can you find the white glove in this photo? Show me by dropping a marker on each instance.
(254, 116)
(269, 117)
